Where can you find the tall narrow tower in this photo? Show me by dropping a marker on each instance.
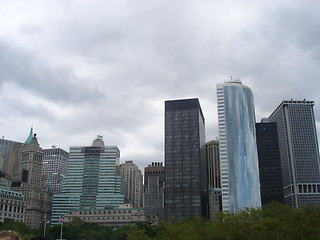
(269, 162)
(185, 161)
(299, 152)
(238, 150)
(132, 175)
(31, 183)
(214, 178)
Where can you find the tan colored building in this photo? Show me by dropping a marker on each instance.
(214, 177)
(114, 218)
(9, 156)
(31, 183)
(132, 175)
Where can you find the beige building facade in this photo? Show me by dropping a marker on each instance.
(114, 218)
(31, 183)
(132, 175)
(12, 205)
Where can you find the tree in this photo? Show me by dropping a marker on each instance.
(22, 229)
(78, 229)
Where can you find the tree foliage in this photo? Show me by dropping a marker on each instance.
(78, 229)
(22, 229)
(274, 221)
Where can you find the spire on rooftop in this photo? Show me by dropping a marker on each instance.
(29, 139)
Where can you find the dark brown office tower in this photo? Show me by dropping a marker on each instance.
(186, 191)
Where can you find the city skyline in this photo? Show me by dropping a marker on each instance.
(78, 69)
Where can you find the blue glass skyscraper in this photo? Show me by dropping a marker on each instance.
(238, 150)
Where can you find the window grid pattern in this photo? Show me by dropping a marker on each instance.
(238, 150)
(299, 152)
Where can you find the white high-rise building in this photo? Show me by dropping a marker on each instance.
(55, 167)
(238, 150)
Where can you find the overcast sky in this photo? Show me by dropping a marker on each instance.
(78, 68)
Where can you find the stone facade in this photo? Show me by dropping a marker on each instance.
(31, 183)
(12, 205)
(114, 218)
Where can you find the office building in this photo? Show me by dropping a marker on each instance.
(9, 156)
(132, 175)
(238, 150)
(113, 218)
(213, 161)
(31, 183)
(214, 178)
(269, 162)
(10, 153)
(5, 181)
(55, 167)
(12, 205)
(299, 152)
(93, 181)
(215, 202)
(186, 192)
(153, 198)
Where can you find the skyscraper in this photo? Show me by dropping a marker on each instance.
(299, 152)
(153, 190)
(31, 183)
(186, 193)
(269, 162)
(214, 178)
(213, 159)
(9, 153)
(132, 175)
(93, 181)
(238, 149)
(55, 167)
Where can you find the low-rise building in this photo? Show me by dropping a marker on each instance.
(114, 218)
(12, 205)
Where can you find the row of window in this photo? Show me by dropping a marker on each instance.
(10, 208)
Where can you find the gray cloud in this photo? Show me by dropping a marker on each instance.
(86, 68)
(31, 73)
